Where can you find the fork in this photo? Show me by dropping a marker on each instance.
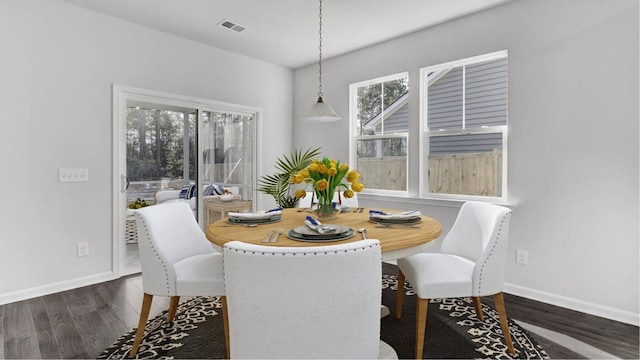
(268, 237)
(246, 225)
(397, 226)
(275, 237)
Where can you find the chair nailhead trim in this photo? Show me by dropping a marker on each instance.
(495, 243)
(155, 252)
(304, 253)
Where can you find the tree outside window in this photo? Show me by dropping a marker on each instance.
(380, 118)
(155, 144)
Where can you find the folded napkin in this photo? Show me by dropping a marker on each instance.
(394, 216)
(256, 215)
(315, 225)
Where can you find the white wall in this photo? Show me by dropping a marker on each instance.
(57, 66)
(573, 138)
(573, 67)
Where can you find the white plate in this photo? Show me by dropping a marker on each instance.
(293, 235)
(253, 216)
(306, 231)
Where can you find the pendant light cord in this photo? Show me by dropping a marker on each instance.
(321, 112)
(320, 57)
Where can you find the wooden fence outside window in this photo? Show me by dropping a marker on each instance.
(463, 174)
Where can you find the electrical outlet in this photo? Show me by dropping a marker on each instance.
(73, 175)
(83, 249)
(522, 257)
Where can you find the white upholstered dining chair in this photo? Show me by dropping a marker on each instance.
(177, 260)
(346, 202)
(305, 202)
(471, 264)
(318, 302)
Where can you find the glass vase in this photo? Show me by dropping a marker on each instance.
(325, 209)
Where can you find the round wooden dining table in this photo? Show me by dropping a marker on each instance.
(396, 241)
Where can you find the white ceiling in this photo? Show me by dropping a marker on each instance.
(285, 32)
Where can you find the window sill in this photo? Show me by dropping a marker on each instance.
(432, 201)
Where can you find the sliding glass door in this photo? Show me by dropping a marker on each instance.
(227, 140)
(161, 158)
(166, 145)
(160, 150)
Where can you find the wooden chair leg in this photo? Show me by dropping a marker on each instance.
(399, 294)
(144, 316)
(173, 307)
(478, 305)
(499, 300)
(421, 323)
(225, 320)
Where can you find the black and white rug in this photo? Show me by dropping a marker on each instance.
(453, 331)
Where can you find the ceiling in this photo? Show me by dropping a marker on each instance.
(285, 32)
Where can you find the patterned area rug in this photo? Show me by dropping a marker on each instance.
(453, 331)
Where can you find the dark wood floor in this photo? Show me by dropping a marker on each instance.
(80, 323)
(615, 338)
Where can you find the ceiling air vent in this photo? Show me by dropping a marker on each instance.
(232, 26)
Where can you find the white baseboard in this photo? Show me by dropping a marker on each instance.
(574, 304)
(570, 303)
(545, 297)
(55, 288)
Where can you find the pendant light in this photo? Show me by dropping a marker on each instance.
(321, 112)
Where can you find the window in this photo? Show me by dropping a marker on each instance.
(379, 118)
(465, 114)
(228, 139)
(160, 146)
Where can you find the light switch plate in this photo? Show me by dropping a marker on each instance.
(73, 175)
(522, 257)
(83, 249)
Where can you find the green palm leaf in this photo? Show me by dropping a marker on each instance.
(278, 185)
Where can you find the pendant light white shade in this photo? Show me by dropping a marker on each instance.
(321, 112)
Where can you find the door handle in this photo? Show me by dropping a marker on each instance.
(124, 184)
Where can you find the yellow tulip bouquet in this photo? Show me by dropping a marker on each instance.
(325, 177)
